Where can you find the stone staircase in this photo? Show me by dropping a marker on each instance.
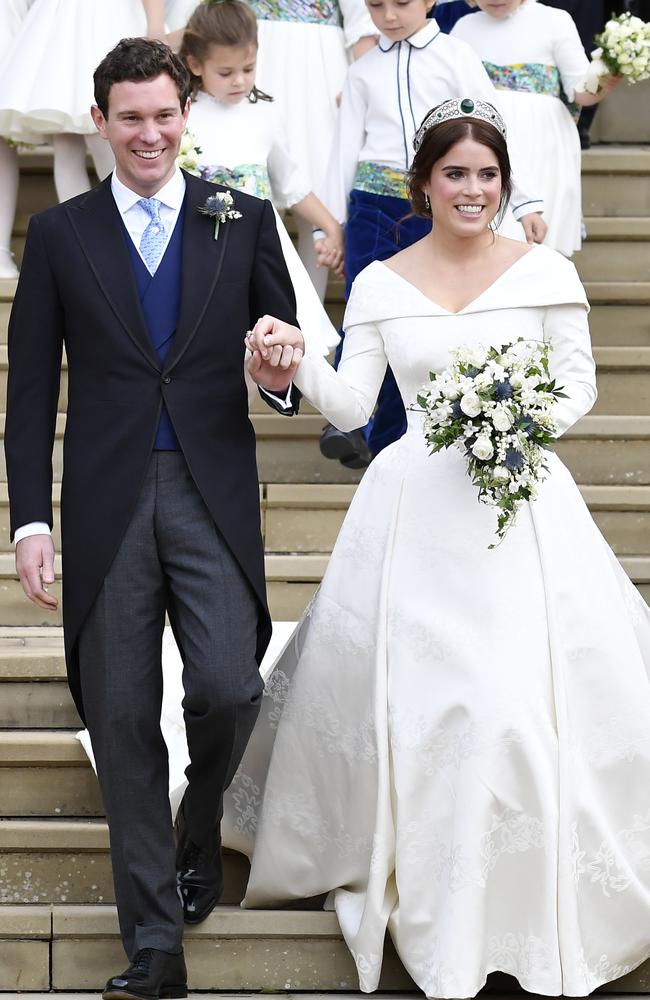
(57, 924)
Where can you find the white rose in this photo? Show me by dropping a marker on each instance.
(516, 380)
(483, 380)
(449, 390)
(502, 420)
(482, 448)
(471, 404)
(501, 474)
(477, 357)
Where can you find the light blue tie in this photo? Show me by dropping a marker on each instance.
(154, 238)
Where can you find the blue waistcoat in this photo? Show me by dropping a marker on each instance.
(160, 297)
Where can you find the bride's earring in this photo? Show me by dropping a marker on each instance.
(427, 203)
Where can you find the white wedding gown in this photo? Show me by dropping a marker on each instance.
(459, 737)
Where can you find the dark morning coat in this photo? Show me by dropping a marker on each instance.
(77, 290)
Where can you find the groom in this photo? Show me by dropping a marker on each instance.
(159, 502)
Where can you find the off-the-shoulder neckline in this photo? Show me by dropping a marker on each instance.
(467, 305)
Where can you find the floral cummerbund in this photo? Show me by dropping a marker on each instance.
(304, 11)
(534, 78)
(376, 178)
(252, 178)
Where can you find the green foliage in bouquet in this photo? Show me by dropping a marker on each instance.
(495, 405)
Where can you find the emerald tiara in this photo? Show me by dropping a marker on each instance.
(459, 107)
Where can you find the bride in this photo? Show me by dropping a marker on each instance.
(459, 737)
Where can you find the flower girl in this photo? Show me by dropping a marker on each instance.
(532, 53)
(46, 84)
(304, 49)
(239, 133)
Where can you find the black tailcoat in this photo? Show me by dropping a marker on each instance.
(77, 290)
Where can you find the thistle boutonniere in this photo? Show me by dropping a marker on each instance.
(219, 207)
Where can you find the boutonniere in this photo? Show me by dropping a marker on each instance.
(219, 207)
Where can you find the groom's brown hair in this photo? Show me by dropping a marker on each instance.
(137, 59)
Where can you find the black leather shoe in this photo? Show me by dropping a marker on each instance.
(349, 447)
(199, 872)
(153, 975)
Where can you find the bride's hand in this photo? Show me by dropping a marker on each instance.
(276, 351)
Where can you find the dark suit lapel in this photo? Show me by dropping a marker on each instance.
(203, 258)
(99, 229)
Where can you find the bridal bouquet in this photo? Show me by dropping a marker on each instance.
(495, 404)
(623, 49)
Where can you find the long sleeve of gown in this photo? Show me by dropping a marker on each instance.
(571, 362)
(346, 397)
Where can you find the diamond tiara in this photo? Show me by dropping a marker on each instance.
(459, 107)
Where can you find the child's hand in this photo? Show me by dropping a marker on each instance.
(608, 83)
(534, 227)
(329, 251)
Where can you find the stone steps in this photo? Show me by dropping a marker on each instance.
(68, 947)
(68, 861)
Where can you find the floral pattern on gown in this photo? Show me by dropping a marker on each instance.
(456, 741)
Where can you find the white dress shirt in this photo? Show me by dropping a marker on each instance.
(386, 96)
(136, 220)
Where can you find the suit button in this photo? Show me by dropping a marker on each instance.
(166, 380)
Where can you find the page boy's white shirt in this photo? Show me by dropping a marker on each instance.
(388, 92)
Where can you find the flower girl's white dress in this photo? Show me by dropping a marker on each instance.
(12, 13)
(46, 82)
(243, 146)
(460, 736)
(302, 62)
(528, 56)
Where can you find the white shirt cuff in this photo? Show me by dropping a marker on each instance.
(285, 402)
(33, 528)
(536, 205)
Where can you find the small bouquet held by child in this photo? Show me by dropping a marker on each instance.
(623, 50)
(496, 404)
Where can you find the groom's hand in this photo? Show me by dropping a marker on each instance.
(35, 567)
(276, 351)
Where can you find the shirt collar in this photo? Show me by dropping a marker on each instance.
(419, 40)
(171, 194)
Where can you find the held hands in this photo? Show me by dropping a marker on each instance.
(534, 227)
(35, 567)
(329, 251)
(276, 351)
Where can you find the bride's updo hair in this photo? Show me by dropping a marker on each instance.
(437, 142)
